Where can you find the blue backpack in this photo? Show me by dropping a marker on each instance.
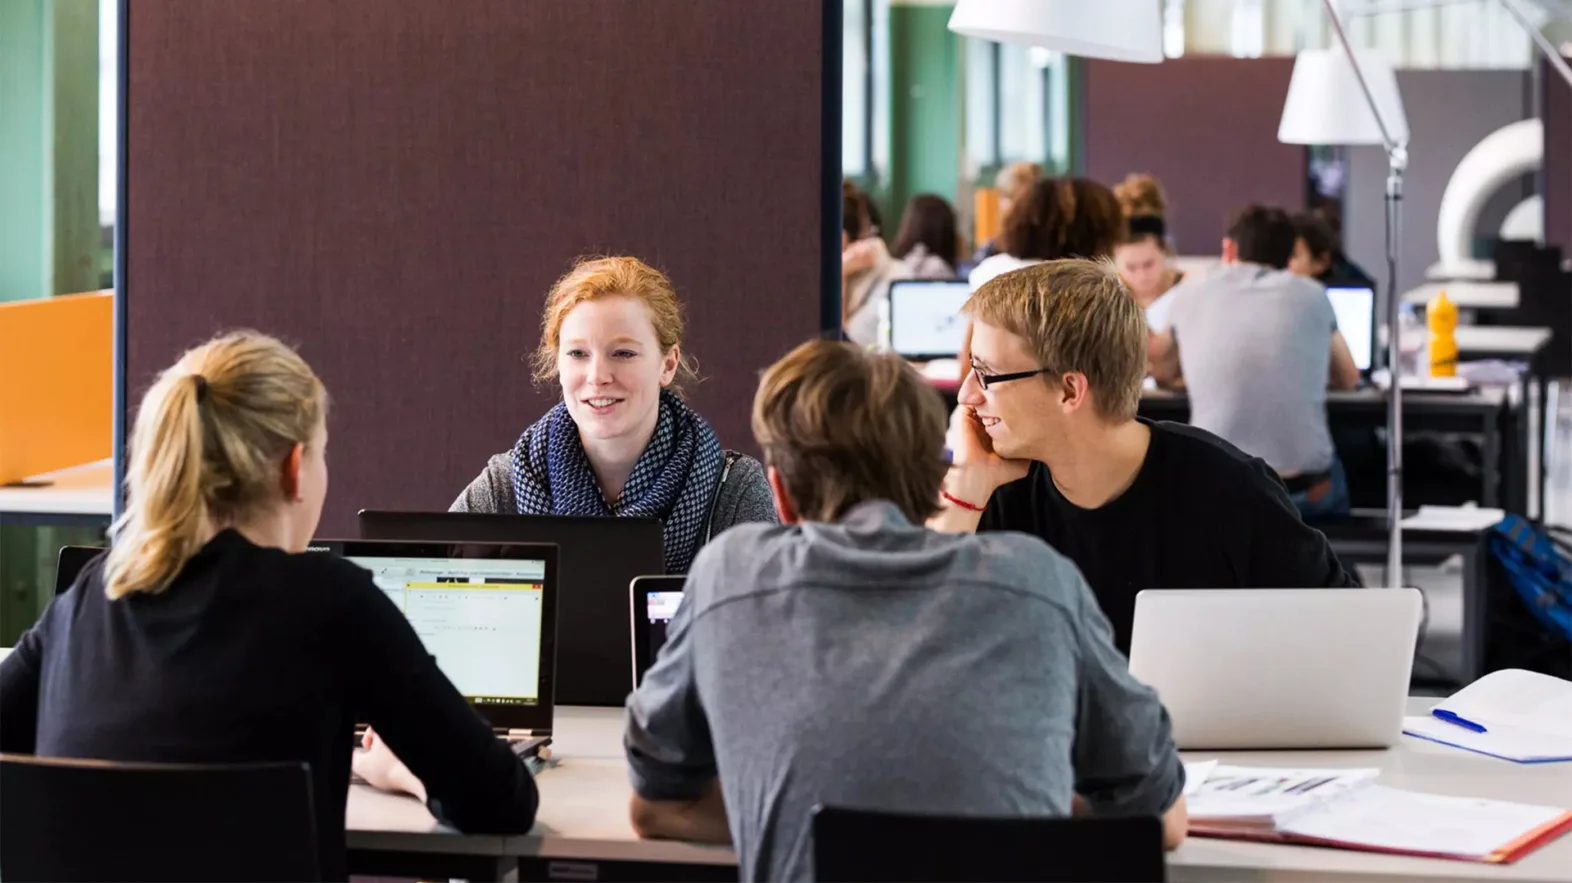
(1539, 567)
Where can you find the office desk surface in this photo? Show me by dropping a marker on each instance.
(584, 813)
(1468, 295)
(1501, 339)
(80, 490)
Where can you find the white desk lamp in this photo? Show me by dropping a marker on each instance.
(1349, 96)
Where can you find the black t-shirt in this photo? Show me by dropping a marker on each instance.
(1201, 514)
(256, 655)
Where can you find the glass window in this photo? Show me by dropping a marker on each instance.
(1022, 117)
(854, 89)
(982, 125)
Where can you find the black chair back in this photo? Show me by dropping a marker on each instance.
(73, 820)
(850, 844)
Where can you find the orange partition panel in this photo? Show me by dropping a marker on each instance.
(56, 367)
(985, 210)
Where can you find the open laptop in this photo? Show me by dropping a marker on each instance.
(1278, 668)
(1355, 312)
(73, 560)
(599, 558)
(925, 318)
(653, 601)
(487, 612)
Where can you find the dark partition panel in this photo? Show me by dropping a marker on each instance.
(1449, 112)
(1205, 126)
(1557, 114)
(393, 185)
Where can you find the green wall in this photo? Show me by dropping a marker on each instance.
(49, 237)
(926, 121)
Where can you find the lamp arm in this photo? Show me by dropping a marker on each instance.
(1551, 53)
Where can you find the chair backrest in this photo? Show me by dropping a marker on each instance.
(850, 844)
(96, 820)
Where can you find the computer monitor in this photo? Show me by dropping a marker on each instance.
(600, 557)
(654, 601)
(1355, 311)
(485, 611)
(925, 318)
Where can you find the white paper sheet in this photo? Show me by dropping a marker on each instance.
(1459, 518)
(1196, 774)
(1507, 743)
(1516, 698)
(1410, 821)
(1269, 793)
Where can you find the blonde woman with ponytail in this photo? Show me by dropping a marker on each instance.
(208, 634)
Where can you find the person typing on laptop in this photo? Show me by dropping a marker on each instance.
(982, 674)
(1258, 346)
(1047, 441)
(209, 635)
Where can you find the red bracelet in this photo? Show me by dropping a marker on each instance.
(959, 502)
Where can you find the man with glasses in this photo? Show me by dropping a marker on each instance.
(1047, 442)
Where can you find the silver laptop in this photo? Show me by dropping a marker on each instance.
(1278, 668)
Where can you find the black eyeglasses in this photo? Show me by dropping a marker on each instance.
(987, 380)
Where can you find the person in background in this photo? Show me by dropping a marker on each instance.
(1056, 218)
(867, 267)
(943, 643)
(1318, 254)
(1142, 258)
(621, 441)
(208, 634)
(1047, 442)
(927, 242)
(1258, 347)
(1011, 183)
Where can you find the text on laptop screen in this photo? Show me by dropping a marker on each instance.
(925, 318)
(662, 606)
(1355, 311)
(480, 618)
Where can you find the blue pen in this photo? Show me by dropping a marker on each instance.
(1453, 718)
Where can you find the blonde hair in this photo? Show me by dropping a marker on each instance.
(206, 447)
(841, 426)
(1014, 179)
(1141, 194)
(596, 278)
(1076, 316)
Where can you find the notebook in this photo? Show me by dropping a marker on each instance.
(1516, 715)
(1348, 809)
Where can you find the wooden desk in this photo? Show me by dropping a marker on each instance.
(583, 822)
(81, 496)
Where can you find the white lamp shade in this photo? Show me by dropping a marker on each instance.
(1121, 30)
(1326, 106)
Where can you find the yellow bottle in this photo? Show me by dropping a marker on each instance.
(1441, 315)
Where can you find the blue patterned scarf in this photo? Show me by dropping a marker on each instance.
(675, 479)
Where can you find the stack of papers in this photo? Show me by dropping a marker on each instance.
(1515, 715)
(1345, 808)
(1467, 519)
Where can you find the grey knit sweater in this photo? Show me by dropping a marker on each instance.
(744, 493)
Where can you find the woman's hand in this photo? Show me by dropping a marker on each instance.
(381, 768)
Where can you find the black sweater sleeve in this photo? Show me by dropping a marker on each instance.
(473, 780)
(19, 689)
(1284, 552)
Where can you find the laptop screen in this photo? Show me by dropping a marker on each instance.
(655, 602)
(925, 318)
(483, 619)
(1355, 311)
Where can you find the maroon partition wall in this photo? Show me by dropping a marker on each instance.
(1557, 115)
(394, 184)
(1205, 126)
